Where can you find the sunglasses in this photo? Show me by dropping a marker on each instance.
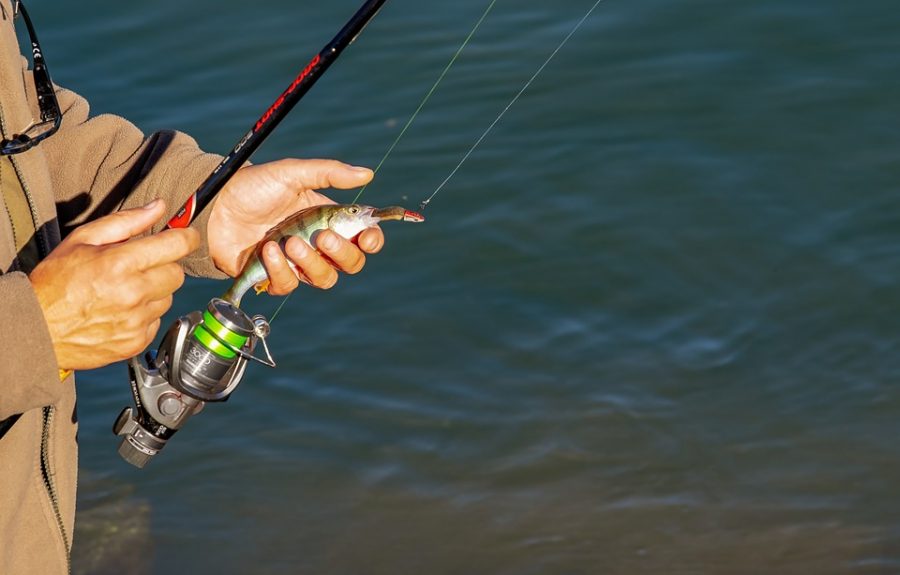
(51, 117)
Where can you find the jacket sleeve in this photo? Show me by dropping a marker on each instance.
(104, 163)
(29, 376)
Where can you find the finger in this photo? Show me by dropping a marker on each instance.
(148, 315)
(150, 312)
(162, 281)
(321, 174)
(121, 225)
(165, 247)
(346, 256)
(371, 240)
(317, 270)
(139, 339)
(282, 279)
(157, 308)
(150, 334)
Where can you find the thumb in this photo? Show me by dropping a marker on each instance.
(120, 226)
(322, 174)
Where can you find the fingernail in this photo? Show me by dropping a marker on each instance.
(330, 242)
(361, 169)
(371, 244)
(272, 251)
(152, 204)
(296, 249)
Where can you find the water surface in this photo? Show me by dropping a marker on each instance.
(650, 327)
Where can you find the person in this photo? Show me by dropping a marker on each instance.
(88, 270)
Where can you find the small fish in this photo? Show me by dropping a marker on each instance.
(345, 220)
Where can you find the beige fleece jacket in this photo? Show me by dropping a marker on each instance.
(93, 166)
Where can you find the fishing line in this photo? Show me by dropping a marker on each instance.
(412, 118)
(279, 109)
(484, 135)
(277, 311)
(428, 95)
(425, 202)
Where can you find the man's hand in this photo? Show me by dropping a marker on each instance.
(259, 197)
(102, 296)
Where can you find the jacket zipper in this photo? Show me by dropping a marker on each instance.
(50, 486)
(46, 473)
(43, 247)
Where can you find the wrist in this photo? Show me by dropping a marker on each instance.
(207, 261)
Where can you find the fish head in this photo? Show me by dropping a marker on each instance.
(350, 220)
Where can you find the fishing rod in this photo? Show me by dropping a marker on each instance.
(203, 355)
(280, 108)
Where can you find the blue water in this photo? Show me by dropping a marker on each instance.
(651, 326)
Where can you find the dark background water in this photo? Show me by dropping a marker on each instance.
(650, 326)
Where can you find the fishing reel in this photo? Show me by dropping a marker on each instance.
(200, 360)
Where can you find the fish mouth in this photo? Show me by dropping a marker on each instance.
(397, 213)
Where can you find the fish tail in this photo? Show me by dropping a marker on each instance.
(239, 287)
(233, 296)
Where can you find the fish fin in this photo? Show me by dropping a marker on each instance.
(261, 286)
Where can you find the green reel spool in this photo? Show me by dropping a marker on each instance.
(220, 337)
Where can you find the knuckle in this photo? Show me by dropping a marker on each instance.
(136, 323)
(182, 242)
(176, 276)
(357, 265)
(324, 171)
(328, 280)
(115, 263)
(165, 304)
(77, 235)
(149, 334)
(191, 239)
(136, 345)
(131, 298)
(283, 284)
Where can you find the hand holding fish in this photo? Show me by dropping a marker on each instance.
(259, 197)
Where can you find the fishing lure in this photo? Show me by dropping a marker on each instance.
(346, 220)
(202, 357)
(306, 223)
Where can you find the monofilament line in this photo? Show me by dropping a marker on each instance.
(411, 119)
(425, 202)
(428, 95)
(277, 311)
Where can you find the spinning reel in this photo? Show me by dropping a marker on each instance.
(201, 359)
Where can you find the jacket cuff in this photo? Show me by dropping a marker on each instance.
(199, 263)
(174, 167)
(29, 374)
(186, 168)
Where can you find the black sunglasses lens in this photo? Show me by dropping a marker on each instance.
(51, 116)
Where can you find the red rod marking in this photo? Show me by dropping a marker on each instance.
(306, 72)
(184, 215)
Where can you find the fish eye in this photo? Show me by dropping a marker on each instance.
(353, 210)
